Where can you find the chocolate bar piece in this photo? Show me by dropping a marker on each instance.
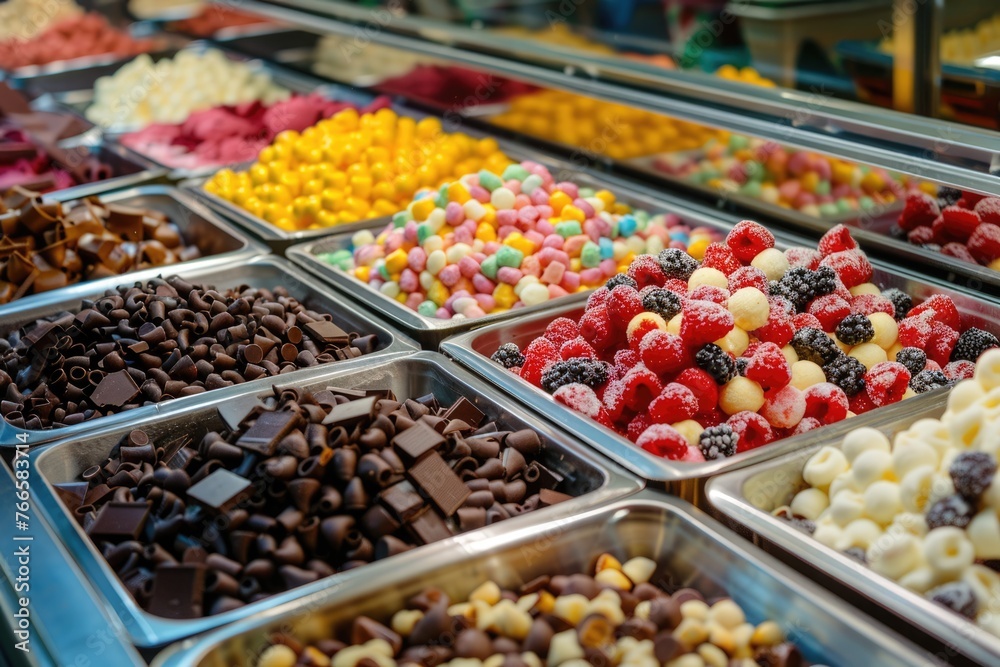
(429, 527)
(120, 521)
(265, 433)
(465, 410)
(416, 442)
(445, 489)
(403, 499)
(115, 389)
(220, 490)
(350, 413)
(327, 332)
(178, 591)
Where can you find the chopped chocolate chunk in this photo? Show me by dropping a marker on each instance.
(178, 591)
(115, 389)
(117, 521)
(220, 490)
(416, 442)
(445, 489)
(267, 431)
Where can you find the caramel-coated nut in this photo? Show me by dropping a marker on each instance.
(487, 592)
(691, 632)
(607, 561)
(767, 633)
(727, 613)
(695, 609)
(639, 569)
(713, 655)
(571, 607)
(564, 647)
(614, 577)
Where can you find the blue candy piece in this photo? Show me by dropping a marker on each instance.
(607, 248)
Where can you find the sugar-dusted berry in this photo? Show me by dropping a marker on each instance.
(747, 239)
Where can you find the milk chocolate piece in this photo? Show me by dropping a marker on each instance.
(464, 410)
(416, 442)
(548, 497)
(117, 521)
(178, 591)
(402, 499)
(115, 389)
(126, 221)
(429, 527)
(440, 483)
(267, 431)
(220, 490)
(327, 332)
(351, 413)
(72, 493)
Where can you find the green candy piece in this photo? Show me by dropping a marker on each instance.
(828, 209)
(866, 203)
(427, 309)
(568, 228)
(424, 232)
(738, 142)
(590, 254)
(489, 267)
(751, 188)
(844, 205)
(507, 256)
(823, 188)
(515, 172)
(442, 197)
(531, 183)
(489, 180)
(400, 219)
(586, 192)
(342, 259)
(382, 270)
(753, 170)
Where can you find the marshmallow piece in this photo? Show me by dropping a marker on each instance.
(984, 533)
(827, 533)
(844, 482)
(965, 426)
(862, 440)
(871, 466)
(810, 503)
(991, 496)
(963, 395)
(846, 507)
(916, 488)
(920, 579)
(882, 501)
(985, 584)
(859, 533)
(824, 466)
(990, 622)
(895, 555)
(948, 552)
(912, 454)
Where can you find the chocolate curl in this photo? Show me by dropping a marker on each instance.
(374, 470)
(377, 522)
(249, 586)
(335, 530)
(365, 629)
(492, 469)
(526, 441)
(118, 554)
(320, 567)
(290, 518)
(294, 444)
(295, 576)
(316, 436)
(364, 551)
(225, 603)
(312, 467)
(302, 491)
(261, 523)
(329, 502)
(471, 518)
(345, 462)
(227, 454)
(281, 467)
(387, 545)
(290, 552)
(355, 496)
(484, 448)
(307, 533)
(261, 568)
(481, 499)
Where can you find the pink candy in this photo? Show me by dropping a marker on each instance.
(469, 267)
(505, 274)
(450, 275)
(417, 259)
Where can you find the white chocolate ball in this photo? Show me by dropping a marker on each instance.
(749, 308)
(810, 503)
(882, 501)
(824, 466)
(948, 552)
(772, 262)
(862, 440)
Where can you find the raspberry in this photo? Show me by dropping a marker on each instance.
(928, 380)
(748, 239)
(676, 263)
(642, 324)
(837, 239)
(582, 398)
(860, 403)
(921, 236)
(621, 279)
(957, 596)
(913, 358)
(623, 304)
(855, 330)
(710, 293)
(958, 251)
(960, 222)
(941, 344)
(720, 256)
(900, 300)
(984, 244)
(674, 404)
(806, 321)
(641, 386)
(779, 328)
(972, 473)
(664, 441)
(577, 347)
(768, 367)
(637, 425)
(716, 362)
(920, 210)
(959, 370)
(847, 373)
(678, 287)
(539, 354)
(751, 430)
(851, 266)
(703, 386)
(784, 408)
(804, 257)
(915, 331)
(599, 297)
(614, 397)
(645, 270)
(988, 210)
(943, 309)
(886, 382)
(748, 276)
(704, 322)
(663, 352)
(807, 424)
(972, 343)
(868, 304)
(718, 442)
(814, 345)
(575, 371)
(830, 310)
(595, 327)
(712, 418)
(508, 355)
(663, 302)
(782, 304)
(561, 330)
(826, 403)
(951, 511)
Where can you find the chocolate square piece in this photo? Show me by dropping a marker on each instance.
(115, 389)
(350, 413)
(178, 591)
(267, 431)
(415, 442)
(445, 489)
(465, 410)
(429, 527)
(220, 490)
(548, 497)
(327, 332)
(349, 394)
(403, 499)
(126, 221)
(120, 521)
(72, 493)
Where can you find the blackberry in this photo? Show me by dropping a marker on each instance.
(927, 380)
(718, 442)
(508, 355)
(972, 343)
(663, 302)
(590, 372)
(900, 299)
(796, 286)
(950, 511)
(741, 365)
(824, 281)
(815, 346)
(716, 362)
(676, 263)
(948, 196)
(855, 329)
(972, 473)
(913, 358)
(857, 553)
(957, 596)
(847, 373)
(621, 279)
(803, 524)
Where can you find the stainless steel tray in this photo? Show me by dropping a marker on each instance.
(287, 46)
(67, 621)
(431, 331)
(266, 271)
(746, 498)
(686, 479)
(690, 548)
(218, 241)
(593, 478)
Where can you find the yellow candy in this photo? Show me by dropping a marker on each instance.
(438, 293)
(396, 261)
(558, 201)
(457, 192)
(518, 242)
(504, 296)
(363, 273)
(573, 213)
(486, 232)
(697, 248)
(422, 208)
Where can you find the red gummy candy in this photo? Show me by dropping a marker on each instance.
(826, 402)
(664, 441)
(663, 352)
(674, 404)
(943, 309)
(704, 322)
(561, 329)
(837, 239)
(704, 387)
(829, 309)
(721, 257)
(886, 382)
(748, 239)
(768, 367)
(920, 210)
(752, 429)
(748, 276)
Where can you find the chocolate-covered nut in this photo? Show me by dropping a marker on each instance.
(665, 612)
(473, 643)
(365, 629)
(539, 638)
(335, 530)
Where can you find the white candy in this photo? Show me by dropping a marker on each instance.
(436, 261)
(948, 552)
(990, 622)
(963, 395)
(895, 555)
(862, 440)
(914, 454)
(456, 252)
(844, 482)
(988, 369)
(920, 579)
(502, 198)
(827, 533)
(916, 488)
(882, 501)
(985, 584)
(845, 507)
(772, 262)
(871, 466)
(824, 466)
(991, 496)
(364, 237)
(810, 503)
(534, 294)
(474, 210)
(859, 533)
(390, 289)
(964, 426)
(984, 533)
